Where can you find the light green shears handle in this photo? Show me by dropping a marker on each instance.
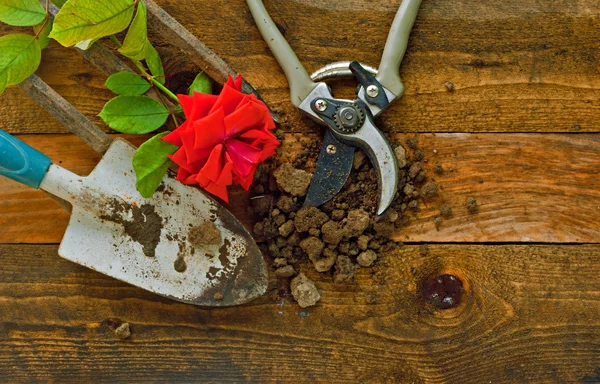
(300, 83)
(395, 47)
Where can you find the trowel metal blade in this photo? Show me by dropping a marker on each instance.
(333, 168)
(103, 234)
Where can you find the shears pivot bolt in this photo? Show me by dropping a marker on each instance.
(373, 90)
(320, 105)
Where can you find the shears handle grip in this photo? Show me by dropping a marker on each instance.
(300, 83)
(395, 47)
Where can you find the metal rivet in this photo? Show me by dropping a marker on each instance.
(331, 149)
(321, 105)
(372, 90)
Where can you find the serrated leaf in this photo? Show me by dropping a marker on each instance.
(20, 56)
(154, 63)
(127, 83)
(86, 44)
(151, 162)
(22, 13)
(43, 38)
(202, 83)
(135, 45)
(134, 114)
(80, 20)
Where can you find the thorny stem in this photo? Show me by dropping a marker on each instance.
(173, 116)
(148, 76)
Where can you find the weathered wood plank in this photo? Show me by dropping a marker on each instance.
(529, 314)
(517, 66)
(529, 188)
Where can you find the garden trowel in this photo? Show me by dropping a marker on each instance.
(180, 243)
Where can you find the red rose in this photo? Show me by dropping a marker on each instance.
(223, 139)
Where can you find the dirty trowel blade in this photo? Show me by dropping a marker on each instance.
(180, 243)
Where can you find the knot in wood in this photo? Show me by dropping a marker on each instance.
(444, 291)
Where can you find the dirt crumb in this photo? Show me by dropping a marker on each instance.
(206, 233)
(286, 204)
(123, 331)
(359, 159)
(429, 190)
(446, 210)
(332, 232)
(279, 262)
(449, 86)
(472, 205)
(304, 291)
(414, 169)
(438, 169)
(344, 270)
(218, 296)
(313, 247)
(357, 222)
(400, 156)
(325, 263)
(309, 217)
(412, 142)
(287, 271)
(262, 204)
(287, 228)
(366, 258)
(293, 181)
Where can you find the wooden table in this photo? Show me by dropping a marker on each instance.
(520, 131)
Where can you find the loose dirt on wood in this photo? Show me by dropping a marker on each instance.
(343, 233)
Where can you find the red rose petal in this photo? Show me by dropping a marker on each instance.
(210, 130)
(173, 138)
(229, 100)
(243, 118)
(214, 164)
(243, 156)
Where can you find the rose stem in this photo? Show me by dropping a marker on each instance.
(148, 76)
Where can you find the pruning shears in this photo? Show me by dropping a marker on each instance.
(350, 123)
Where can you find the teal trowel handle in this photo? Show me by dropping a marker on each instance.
(20, 162)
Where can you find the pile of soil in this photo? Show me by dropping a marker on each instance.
(344, 233)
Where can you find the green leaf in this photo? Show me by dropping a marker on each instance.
(155, 64)
(80, 20)
(135, 45)
(151, 162)
(43, 35)
(20, 56)
(202, 83)
(59, 3)
(22, 13)
(127, 83)
(134, 114)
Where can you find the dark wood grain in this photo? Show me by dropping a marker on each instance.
(517, 66)
(527, 85)
(529, 314)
